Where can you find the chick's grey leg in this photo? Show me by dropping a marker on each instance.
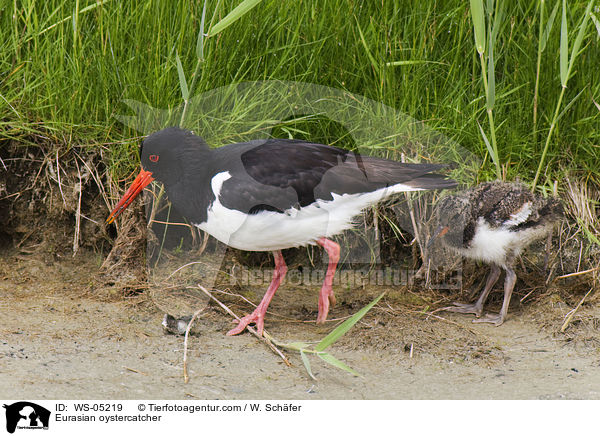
(509, 285)
(477, 308)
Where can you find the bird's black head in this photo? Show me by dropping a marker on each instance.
(165, 153)
(167, 156)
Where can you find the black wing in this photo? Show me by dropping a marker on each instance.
(279, 174)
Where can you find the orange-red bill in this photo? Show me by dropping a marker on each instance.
(142, 180)
(441, 231)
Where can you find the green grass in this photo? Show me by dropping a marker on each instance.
(67, 66)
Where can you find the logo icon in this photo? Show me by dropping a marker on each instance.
(26, 415)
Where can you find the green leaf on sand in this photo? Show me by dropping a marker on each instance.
(340, 330)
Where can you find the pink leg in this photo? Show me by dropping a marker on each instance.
(258, 316)
(326, 296)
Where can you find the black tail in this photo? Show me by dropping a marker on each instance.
(432, 181)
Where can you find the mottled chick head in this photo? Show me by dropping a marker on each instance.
(452, 214)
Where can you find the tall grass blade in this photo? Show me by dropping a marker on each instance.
(374, 63)
(70, 17)
(498, 19)
(548, 27)
(491, 90)
(478, 24)
(238, 12)
(566, 66)
(568, 106)
(182, 82)
(416, 62)
(340, 330)
(541, 47)
(596, 23)
(580, 34)
(564, 46)
(200, 42)
(74, 24)
(214, 16)
(488, 145)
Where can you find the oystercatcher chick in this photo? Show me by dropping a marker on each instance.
(493, 223)
(272, 194)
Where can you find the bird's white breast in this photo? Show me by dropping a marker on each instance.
(489, 244)
(499, 244)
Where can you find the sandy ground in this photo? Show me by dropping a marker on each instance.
(59, 340)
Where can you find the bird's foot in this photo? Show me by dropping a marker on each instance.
(256, 317)
(326, 299)
(492, 318)
(465, 308)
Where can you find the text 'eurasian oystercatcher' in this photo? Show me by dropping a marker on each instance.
(272, 194)
(493, 222)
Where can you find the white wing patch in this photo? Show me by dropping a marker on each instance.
(519, 216)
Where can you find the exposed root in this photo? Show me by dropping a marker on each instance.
(125, 266)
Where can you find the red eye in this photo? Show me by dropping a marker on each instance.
(153, 158)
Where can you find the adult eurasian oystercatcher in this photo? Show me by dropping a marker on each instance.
(272, 194)
(494, 222)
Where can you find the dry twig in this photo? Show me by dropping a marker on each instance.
(79, 188)
(579, 273)
(572, 312)
(134, 370)
(186, 377)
